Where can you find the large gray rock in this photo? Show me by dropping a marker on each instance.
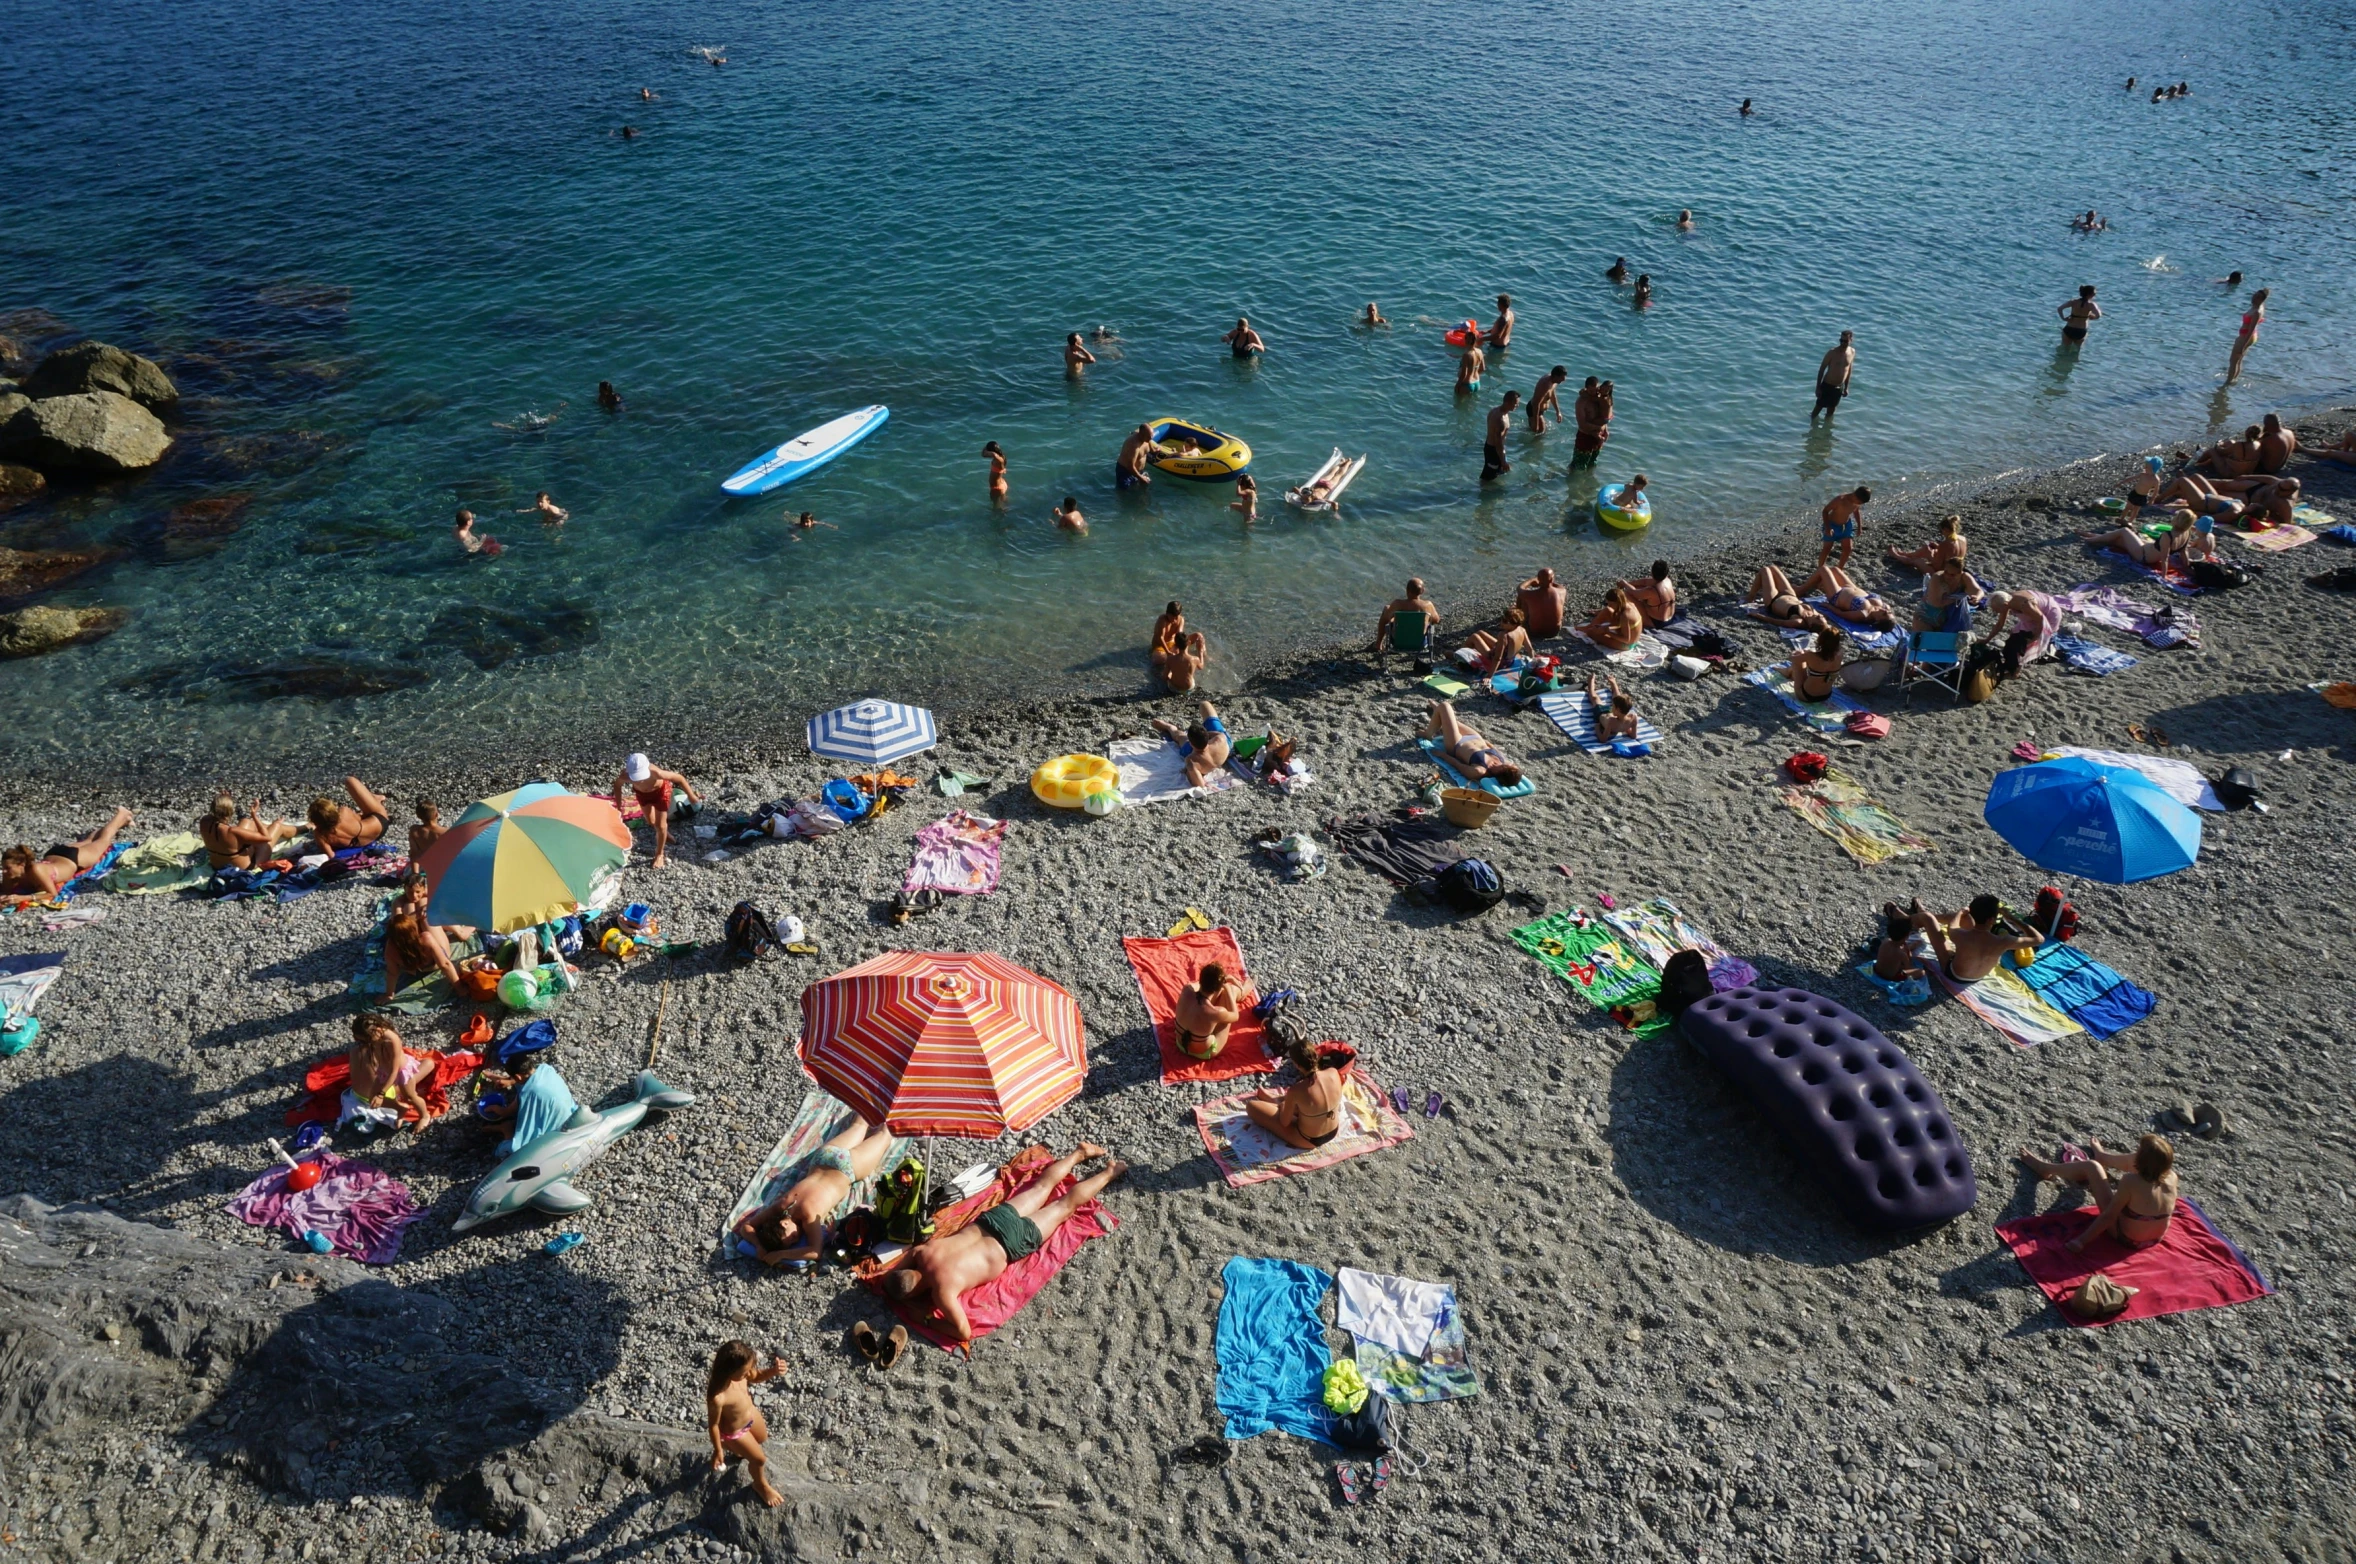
(98, 432)
(12, 402)
(31, 632)
(25, 571)
(101, 366)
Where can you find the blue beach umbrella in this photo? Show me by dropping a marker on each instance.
(2102, 823)
(872, 732)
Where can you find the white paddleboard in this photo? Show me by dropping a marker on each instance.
(805, 453)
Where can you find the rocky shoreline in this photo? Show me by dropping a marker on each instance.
(1686, 1351)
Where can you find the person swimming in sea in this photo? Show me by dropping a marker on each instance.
(1243, 341)
(475, 542)
(1075, 357)
(607, 397)
(547, 510)
(997, 469)
(1745, 110)
(1068, 517)
(648, 95)
(2078, 313)
(1643, 299)
(1685, 222)
(1618, 270)
(1373, 316)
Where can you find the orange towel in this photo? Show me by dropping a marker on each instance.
(1164, 968)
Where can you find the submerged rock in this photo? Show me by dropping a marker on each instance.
(30, 632)
(101, 366)
(488, 636)
(24, 571)
(98, 432)
(332, 538)
(17, 484)
(312, 676)
(201, 527)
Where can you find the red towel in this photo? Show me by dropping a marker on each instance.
(327, 1079)
(1164, 967)
(2193, 1267)
(995, 1302)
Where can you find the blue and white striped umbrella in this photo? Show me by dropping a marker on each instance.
(871, 732)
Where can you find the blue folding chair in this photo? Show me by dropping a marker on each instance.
(1936, 657)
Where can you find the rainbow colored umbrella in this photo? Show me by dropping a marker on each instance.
(944, 1044)
(522, 858)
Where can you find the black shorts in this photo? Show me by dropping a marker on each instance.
(1493, 462)
(1828, 397)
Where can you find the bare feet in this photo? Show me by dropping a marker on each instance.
(659, 861)
(769, 1495)
(1114, 1169)
(1088, 1151)
(122, 817)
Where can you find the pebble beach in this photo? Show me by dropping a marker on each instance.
(1686, 1350)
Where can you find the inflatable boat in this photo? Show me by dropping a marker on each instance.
(1326, 484)
(1184, 449)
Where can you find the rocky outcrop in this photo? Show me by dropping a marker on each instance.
(11, 404)
(31, 632)
(101, 366)
(99, 432)
(17, 484)
(24, 571)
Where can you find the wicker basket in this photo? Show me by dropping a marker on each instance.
(1468, 807)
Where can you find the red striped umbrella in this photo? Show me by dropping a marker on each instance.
(944, 1044)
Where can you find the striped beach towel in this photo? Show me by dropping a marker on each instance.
(1248, 1154)
(1569, 711)
(1839, 806)
(1438, 756)
(1830, 715)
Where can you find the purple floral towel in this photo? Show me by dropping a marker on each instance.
(362, 1210)
(958, 854)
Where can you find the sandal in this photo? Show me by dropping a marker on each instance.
(1347, 1476)
(888, 1351)
(1382, 1474)
(865, 1340)
(1399, 1100)
(1432, 1104)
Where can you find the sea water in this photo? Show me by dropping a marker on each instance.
(367, 237)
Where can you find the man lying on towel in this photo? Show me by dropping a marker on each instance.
(942, 1270)
(1970, 943)
(794, 1227)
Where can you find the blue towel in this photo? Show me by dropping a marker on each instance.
(1569, 711)
(2086, 991)
(88, 879)
(1906, 994)
(1438, 756)
(2087, 657)
(1272, 1351)
(2343, 533)
(542, 1104)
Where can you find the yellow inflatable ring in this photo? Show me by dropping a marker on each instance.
(1066, 781)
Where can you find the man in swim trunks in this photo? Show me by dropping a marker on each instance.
(651, 785)
(1184, 663)
(1840, 523)
(1592, 412)
(1832, 376)
(1466, 750)
(1493, 462)
(794, 1228)
(472, 541)
(2136, 1192)
(1076, 358)
(1501, 332)
(1655, 597)
(1469, 367)
(1129, 467)
(2276, 443)
(1207, 1012)
(1243, 342)
(2077, 313)
(1541, 600)
(940, 1271)
(336, 825)
(1203, 746)
(24, 872)
(1968, 945)
(1415, 602)
(1546, 398)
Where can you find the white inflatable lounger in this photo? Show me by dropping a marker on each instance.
(1335, 475)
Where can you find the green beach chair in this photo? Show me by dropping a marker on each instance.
(1411, 632)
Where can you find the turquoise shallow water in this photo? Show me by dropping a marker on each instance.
(363, 236)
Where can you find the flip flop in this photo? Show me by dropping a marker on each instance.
(1347, 1476)
(1382, 1474)
(893, 1345)
(2208, 1121)
(1608, 904)
(1209, 1450)
(1432, 1105)
(863, 1338)
(1399, 1099)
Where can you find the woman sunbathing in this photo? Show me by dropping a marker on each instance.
(1207, 1012)
(1502, 645)
(1617, 625)
(232, 843)
(385, 1075)
(336, 825)
(1616, 722)
(1466, 750)
(1308, 1114)
(1949, 544)
(1816, 670)
(24, 872)
(1843, 596)
(2135, 1206)
(1772, 598)
(795, 1226)
(2150, 553)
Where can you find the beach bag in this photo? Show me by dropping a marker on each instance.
(1685, 980)
(2098, 1298)
(750, 935)
(1868, 725)
(1979, 674)
(1806, 766)
(899, 1208)
(846, 801)
(1470, 885)
(1709, 643)
(1868, 673)
(1687, 668)
(2213, 576)
(2054, 916)
(2237, 789)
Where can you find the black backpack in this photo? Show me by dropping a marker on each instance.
(750, 935)
(2237, 789)
(1685, 980)
(1469, 885)
(2211, 576)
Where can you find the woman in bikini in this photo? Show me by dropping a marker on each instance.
(1617, 625)
(794, 1228)
(336, 825)
(1949, 544)
(997, 470)
(1843, 596)
(413, 946)
(1466, 750)
(2150, 553)
(2077, 312)
(385, 1074)
(24, 872)
(1308, 1114)
(232, 843)
(1773, 598)
(735, 1424)
(1207, 1012)
(1502, 645)
(2136, 1190)
(1814, 672)
(1949, 595)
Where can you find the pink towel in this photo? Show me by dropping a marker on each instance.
(363, 1210)
(2193, 1267)
(995, 1302)
(957, 854)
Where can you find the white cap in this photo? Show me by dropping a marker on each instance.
(638, 768)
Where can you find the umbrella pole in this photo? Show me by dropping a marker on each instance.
(660, 1006)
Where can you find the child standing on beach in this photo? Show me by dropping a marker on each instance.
(1840, 524)
(735, 1423)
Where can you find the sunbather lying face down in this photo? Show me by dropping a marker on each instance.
(1309, 1113)
(1775, 599)
(1968, 944)
(24, 872)
(938, 1273)
(2137, 1192)
(1208, 1011)
(1471, 754)
(796, 1225)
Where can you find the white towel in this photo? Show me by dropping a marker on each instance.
(1397, 1312)
(1152, 771)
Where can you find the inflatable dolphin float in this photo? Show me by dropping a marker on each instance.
(540, 1175)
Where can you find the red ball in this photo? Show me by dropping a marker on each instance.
(303, 1175)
